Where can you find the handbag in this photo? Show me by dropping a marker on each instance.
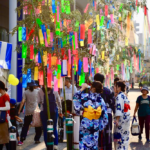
(135, 128)
(36, 119)
(2, 116)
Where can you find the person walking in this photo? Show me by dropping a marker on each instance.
(122, 118)
(14, 117)
(4, 106)
(55, 109)
(105, 136)
(143, 108)
(30, 98)
(95, 116)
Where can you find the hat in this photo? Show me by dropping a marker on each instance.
(145, 88)
(13, 101)
(32, 83)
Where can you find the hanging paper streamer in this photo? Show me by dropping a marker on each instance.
(106, 10)
(62, 6)
(131, 71)
(24, 80)
(117, 57)
(36, 73)
(24, 33)
(137, 64)
(39, 57)
(126, 41)
(112, 18)
(20, 34)
(98, 22)
(31, 52)
(118, 67)
(85, 64)
(140, 61)
(69, 55)
(136, 2)
(24, 50)
(102, 21)
(29, 75)
(53, 6)
(89, 36)
(145, 10)
(39, 22)
(86, 8)
(48, 36)
(128, 26)
(76, 39)
(67, 6)
(41, 37)
(49, 77)
(64, 68)
(53, 61)
(41, 78)
(82, 31)
(57, 13)
(103, 55)
(45, 58)
(55, 84)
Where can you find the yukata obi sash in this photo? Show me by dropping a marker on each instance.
(91, 113)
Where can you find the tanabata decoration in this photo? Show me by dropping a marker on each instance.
(13, 80)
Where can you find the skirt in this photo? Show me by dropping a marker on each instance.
(4, 134)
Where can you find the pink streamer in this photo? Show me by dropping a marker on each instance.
(55, 84)
(112, 18)
(95, 6)
(57, 13)
(46, 44)
(86, 8)
(94, 50)
(76, 39)
(85, 64)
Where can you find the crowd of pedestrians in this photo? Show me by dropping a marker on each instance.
(102, 107)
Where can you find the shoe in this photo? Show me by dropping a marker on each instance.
(55, 147)
(140, 137)
(20, 143)
(148, 141)
(37, 142)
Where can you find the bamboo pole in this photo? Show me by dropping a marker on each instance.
(65, 110)
(44, 76)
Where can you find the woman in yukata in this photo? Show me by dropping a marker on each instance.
(122, 118)
(94, 115)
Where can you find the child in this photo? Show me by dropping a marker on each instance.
(14, 117)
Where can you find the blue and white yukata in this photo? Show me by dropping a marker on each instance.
(124, 123)
(89, 129)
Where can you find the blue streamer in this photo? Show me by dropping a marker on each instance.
(39, 58)
(24, 33)
(29, 75)
(24, 80)
(80, 67)
(70, 38)
(8, 55)
(43, 29)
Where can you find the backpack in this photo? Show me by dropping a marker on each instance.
(52, 103)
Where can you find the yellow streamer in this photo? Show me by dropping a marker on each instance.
(82, 43)
(98, 22)
(126, 41)
(36, 73)
(45, 58)
(48, 36)
(103, 54)
(41, 37)
(117, 57)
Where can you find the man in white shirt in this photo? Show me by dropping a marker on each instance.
(68, 94)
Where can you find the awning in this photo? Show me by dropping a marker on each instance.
(5, 55)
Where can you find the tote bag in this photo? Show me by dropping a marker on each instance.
(135, 128)
(36, 119)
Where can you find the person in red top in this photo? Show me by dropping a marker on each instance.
(4, 106)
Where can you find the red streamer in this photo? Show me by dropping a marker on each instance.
(82, 31)
(145, 10)
(89, 36)
(31, 52)
(106, 10)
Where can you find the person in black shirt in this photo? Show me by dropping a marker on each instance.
(14, 117)
(105, 136)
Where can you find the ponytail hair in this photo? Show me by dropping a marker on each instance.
(2, 86)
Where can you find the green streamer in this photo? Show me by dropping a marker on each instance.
(102, 21)
(20, 34)
(118, 67)
(73, 38)
(58, 68)
(131, 71)
(39, 22)
(121, 5)
(35, 51)
(75, 70)
(24, 50)
(62, 6)
(58, 28)
(67, 7)
(137, 9)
